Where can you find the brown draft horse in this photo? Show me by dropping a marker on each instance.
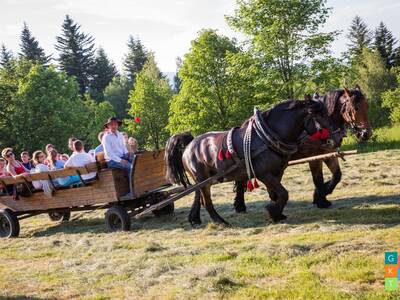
(345, 108)
(198, 156)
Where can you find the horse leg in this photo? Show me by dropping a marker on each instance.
(194, 215)
(334, 166)
(279, 195)
(318, 178)
(206, 194)
(239, 204)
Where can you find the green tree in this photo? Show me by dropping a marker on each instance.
(285, 34)
(30, 49)
(391, 101)
(150, 101)
(177, 81)
(6, 57)
(135, 59)
(117, 93)
(385, 44)
(359, 37)
(374, 79)
(96, 114)
(215, 93)
(103, 71)
(76, 53)
(46, 109)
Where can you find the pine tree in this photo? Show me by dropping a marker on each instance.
(135, 59)
(103, 72)
(76, 53)
(177, 80)
(5, 57)
(359, 37)
(30, 48)
(385, 44)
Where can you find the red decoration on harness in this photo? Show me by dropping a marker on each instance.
(255, 184)
(228, 154)
(137, 120)
(250, 186)
(321, 134)
(221, 155)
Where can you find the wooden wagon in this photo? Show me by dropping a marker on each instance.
(107, 191)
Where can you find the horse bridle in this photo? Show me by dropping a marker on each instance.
(345, 112)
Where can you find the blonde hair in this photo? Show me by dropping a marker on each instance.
(35, 156)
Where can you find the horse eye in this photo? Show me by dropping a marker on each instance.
(356, 108)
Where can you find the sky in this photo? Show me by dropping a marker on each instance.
(165, 26)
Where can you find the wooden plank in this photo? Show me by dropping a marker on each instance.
(322, 157)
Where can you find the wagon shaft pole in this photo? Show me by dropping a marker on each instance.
(322, 157)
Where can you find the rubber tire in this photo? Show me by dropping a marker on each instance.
(117, 219)
(13, 224)
(166, 210)
(57, 216)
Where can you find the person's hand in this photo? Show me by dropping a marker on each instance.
(125, 162)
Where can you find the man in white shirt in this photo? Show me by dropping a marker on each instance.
(80, 158)
(115, 152)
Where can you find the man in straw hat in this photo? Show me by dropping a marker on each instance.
(115, 152)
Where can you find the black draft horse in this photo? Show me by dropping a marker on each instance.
(345, 108)
(199, 157)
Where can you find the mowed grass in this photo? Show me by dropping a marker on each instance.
(337, 253)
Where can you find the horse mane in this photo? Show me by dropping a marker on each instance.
(331, 98)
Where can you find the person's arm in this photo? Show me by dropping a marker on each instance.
(108, 151)
(68, 163)
(11, 170)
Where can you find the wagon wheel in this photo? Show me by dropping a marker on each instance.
(166, 210)
(9, 224)
(59, 216)
(117, 219)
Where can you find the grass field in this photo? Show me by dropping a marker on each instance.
(336, 253)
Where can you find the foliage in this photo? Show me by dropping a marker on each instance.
(150, 101)
(391, 101)
(215, 93)
(103, 71)
(6, 57)
(359, 37)
(30, 49)
(285, 34)
(76, 52)
(374, 78)
(117, 93)
(177, 80)
(96, 114)
(135, 59)
(385, 44)
(45, 109)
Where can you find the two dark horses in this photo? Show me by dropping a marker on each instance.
(285, 124)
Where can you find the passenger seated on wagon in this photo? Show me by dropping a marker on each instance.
(14, 167)
(132, 145)
(54, 162)
(4, 173)
(26, 160)
(39, 161)
(80, 158)
(115, 152)
(100, 147)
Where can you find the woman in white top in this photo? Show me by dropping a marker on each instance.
(38, 160)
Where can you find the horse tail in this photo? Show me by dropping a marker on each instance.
(175, 171)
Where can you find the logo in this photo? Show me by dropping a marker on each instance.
(392, 271)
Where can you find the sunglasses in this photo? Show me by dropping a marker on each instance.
(9, 154)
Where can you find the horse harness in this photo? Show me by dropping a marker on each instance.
(270, 140)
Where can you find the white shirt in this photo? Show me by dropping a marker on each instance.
(81, 159)
(114, 146)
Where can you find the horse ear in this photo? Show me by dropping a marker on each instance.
(307, 97)
(346, 92)
(357, 88)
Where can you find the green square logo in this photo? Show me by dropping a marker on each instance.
(391, 284)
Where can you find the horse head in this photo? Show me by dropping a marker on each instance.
(354, 110)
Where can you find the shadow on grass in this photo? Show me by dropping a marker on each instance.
(347, 211)
(22, 298)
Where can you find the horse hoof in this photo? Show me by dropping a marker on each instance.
(279, 218)
(240, 210)
(323, 204)
(194, 222)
